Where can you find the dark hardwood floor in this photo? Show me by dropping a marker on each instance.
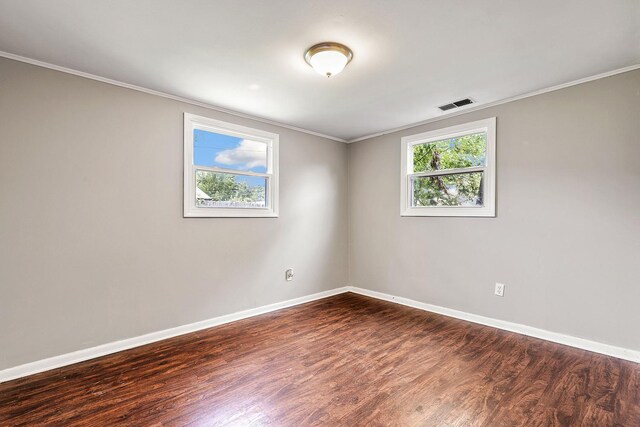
(347, 360)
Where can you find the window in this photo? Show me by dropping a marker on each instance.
(229, 170)
(450, 172)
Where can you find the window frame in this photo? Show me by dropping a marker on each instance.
(193, 122)
(489, 169)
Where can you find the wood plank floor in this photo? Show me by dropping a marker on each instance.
(346, 360)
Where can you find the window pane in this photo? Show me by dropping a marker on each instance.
(460, 152)
(229, 152)
(225, 190)
(464, 189)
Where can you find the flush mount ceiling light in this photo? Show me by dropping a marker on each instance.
(328, 58)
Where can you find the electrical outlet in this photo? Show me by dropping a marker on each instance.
(288, 275)
(499, 289)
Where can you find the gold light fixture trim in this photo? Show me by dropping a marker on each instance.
(328, 68)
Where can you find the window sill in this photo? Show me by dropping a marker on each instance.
(230, 213)
(445, 211)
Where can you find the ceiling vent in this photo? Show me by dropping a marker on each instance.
(456, 104)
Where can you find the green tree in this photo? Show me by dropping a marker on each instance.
(224, 187)
(449, 190)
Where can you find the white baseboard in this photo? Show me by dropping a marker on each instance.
(114, 347)
(584, 344)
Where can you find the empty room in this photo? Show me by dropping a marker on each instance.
(320, 213)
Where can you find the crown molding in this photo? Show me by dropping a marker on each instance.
(500, 102)
(213, 107)
(78, 73)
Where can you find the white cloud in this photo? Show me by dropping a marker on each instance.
(249, 154)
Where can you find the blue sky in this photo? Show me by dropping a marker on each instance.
(229, 152)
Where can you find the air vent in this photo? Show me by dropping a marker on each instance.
(456, 104)
(447, 107)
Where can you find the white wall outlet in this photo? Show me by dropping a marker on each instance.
(499, 289)
(288, 275)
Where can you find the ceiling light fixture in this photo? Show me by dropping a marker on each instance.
(328, 58)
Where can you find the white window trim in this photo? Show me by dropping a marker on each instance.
(192, 122)
(489, 182)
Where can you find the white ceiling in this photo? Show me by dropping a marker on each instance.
(409, 55)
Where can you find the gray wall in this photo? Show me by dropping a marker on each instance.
(93, 245)
(566, 240)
